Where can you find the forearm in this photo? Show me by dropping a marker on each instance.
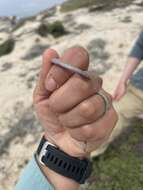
(38, 178)
(59, 182)
(130, 67)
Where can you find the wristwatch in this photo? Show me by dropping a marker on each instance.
(60, 162)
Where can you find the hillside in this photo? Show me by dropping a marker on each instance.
(107, 31)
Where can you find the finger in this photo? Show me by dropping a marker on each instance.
(115, 97)
(86, 112)
(97, 130)
(74, 91)
(114, 94)
(118, 97)
(40, 91)
(76, 56)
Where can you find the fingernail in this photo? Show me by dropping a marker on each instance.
(51, 84)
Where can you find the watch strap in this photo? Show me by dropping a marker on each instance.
(62, 163)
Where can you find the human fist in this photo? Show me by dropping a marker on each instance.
(68, 106)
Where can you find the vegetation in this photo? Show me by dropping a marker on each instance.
(71, 5)
(56, 29)
(121, 167)
(7, 47)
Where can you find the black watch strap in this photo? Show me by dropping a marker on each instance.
(62, 163)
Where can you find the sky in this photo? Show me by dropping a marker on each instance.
(24, 8)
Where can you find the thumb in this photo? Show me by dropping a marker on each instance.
(40, 91)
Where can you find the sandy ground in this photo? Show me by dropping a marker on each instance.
(108, 36)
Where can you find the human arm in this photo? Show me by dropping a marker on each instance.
(70, 112)
(72, 107)
(135, 57)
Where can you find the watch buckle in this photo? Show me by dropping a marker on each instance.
(44, 151)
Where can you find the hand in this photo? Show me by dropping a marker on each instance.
(120, 91)
(68, 107)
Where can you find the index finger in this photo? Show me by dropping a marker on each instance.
(75, 56)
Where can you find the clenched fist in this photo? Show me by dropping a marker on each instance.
(68, 106)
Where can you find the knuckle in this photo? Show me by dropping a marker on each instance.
(80, 53)
(87, 109)
(86, 132)
(83, 54)
(83, 86)
(101, 134)
(96, 84)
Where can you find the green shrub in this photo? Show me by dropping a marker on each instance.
(7, 47)
(71, 5)
(42, 30)
(56, 29)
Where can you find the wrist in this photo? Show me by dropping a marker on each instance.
(72, 147)
(123, 81)
(59, 167)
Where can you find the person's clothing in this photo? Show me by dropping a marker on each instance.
(130, 106)
(137, 79)
(137, 52)
(33, 178)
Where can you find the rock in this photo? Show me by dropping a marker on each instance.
(98, 55)
(82, 27)
(5, 24)
(34, 52)
(6, 66)
(127, 19)
(45, 14)
(97, 8)
(138, 2)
